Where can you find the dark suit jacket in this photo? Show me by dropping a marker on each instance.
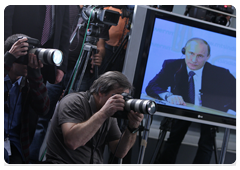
(218, 84)
(29, 20)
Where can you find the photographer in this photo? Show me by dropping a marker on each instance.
(82, 123)
(47, 23)
(25, 97)
(56, 90)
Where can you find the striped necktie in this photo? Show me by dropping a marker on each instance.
(47, 25)
(191, 90)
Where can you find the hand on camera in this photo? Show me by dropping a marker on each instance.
(33, 62)
(175, 99)
(19, 48)
(135, 119)
(113, 104)
(59, 76)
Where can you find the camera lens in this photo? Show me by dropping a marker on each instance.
(151, 107)
(221, 20)
(141, 106)
(57, 57)
(48, 56)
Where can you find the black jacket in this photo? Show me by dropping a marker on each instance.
(218, 84)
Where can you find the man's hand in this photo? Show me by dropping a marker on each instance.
(96, 60)
(113, 104)
(59, 76)
(32, 61)
(19, 48)
(134, 119)
(175, 99)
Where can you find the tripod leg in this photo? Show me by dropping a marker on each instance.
(95, 66)
(159, 146)
(224, 146)
(164, 127)
(83, 70)
(74, 74)
(214, 130)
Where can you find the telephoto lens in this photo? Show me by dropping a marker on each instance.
(48, 56)
(139, 105)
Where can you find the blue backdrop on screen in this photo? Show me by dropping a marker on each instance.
(169, 38)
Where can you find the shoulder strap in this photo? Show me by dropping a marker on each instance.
(80, 20)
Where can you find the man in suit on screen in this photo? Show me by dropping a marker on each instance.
(193, 80)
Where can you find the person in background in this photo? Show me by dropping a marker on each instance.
(116, 36)
(25, 98)
(56, 90)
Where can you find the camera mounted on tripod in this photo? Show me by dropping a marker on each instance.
(47, 56)
(97, 16)
(100, 15)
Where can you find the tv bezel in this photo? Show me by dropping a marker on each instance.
(136, 61)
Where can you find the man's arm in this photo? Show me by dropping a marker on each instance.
(158, 86)
(128, 139)
(78, 134)
(19, 48)
(160, 83)
(38, 92)
(98, 58)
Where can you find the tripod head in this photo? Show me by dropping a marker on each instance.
(97, 17)
(100, 15)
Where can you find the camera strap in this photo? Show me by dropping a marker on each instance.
(80, 20)
(98, 139)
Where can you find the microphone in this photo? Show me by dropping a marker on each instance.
(200, 97)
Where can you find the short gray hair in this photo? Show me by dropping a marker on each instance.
(109, 81)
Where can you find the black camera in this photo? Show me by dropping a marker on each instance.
(137, 105)
(100, 15)
(47, 56)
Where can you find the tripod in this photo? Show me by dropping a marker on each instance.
(89, 47)
(166, 126)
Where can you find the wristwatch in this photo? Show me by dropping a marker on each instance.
(168, 95)
(134, 130)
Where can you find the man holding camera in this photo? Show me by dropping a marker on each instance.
(25, 97)
(82, 123)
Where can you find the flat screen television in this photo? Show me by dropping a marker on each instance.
(158, 36)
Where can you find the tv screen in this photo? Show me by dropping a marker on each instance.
(170, 47)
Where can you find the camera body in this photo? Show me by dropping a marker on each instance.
(100, 15)
(47, 56)
(137, 105)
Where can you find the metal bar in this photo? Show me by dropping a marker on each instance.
(144, 139)
(213, 10)
(224, 146)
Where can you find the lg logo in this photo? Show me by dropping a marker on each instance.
(200, 117)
